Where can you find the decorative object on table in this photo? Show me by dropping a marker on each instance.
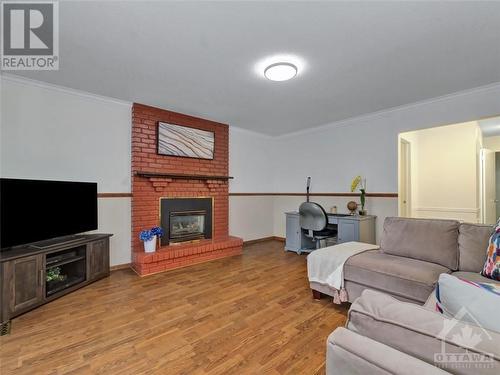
(352, 207)
(54, 274)
(360, 183)
(491, 268)
(149, 237)
(333, 210)
(176, 140)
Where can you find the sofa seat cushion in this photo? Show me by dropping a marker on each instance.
(409, 278)
(429, 240)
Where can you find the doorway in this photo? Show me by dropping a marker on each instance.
(405, 178)
(439, 173)
(490, 170)
(488, 186)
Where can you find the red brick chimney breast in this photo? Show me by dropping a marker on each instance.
(147, 191)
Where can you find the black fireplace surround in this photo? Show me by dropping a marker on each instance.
(185, 219)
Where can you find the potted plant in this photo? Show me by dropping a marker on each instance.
(149, 237)
(54, 274)
(360, 183)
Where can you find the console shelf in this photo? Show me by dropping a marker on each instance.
(34, 275)
(65, 261)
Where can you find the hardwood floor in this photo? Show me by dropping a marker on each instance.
(249, 314)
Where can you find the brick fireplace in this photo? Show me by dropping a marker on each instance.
(188, 197)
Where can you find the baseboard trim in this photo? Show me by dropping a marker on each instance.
(264, 239)
(120, 267)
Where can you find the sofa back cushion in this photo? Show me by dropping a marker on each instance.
(472, 244)
(430, 240)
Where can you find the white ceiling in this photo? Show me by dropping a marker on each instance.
(199, 57)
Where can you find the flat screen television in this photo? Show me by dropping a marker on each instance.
(36, 210)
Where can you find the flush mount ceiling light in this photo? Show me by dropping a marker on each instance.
(281, 71)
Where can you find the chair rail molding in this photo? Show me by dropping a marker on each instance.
(374, 195)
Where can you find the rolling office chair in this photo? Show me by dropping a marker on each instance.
(314, 223)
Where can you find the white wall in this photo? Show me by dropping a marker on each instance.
(492, 143)
(46, 131)
(444, 172)
(50, 133)
(333, 154)
(251, 217)
(250, 161)
(251, 165)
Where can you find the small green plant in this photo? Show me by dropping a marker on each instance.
(54, 274)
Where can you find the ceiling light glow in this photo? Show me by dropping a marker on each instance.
(281, 71)
(280, 64)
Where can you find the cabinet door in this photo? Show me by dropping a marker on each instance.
(98, 259)
(347, 231)
(293, 234)
(23, 283)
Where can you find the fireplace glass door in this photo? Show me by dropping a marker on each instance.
(187, 225)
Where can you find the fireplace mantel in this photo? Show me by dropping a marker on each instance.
(160, 181)
(178, 176)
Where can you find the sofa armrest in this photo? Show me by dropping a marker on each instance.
(423, 333)
(350, 353)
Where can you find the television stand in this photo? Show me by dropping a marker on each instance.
(33, 275)
(47, 244)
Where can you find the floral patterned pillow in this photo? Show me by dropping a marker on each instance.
(491, 268)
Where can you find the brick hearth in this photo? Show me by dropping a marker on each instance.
(147, 191)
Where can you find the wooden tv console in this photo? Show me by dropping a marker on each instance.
(31, 275)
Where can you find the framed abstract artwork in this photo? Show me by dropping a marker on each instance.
(177, 140)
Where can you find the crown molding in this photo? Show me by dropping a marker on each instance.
(387, 111)
(250, 132)
(8, 77)
(12, 78)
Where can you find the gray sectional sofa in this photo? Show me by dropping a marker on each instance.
(384, 335)
(393, 326)
(412, 255)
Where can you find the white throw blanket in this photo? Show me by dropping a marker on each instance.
(326, 266)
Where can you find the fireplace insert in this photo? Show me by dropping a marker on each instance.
(187, 225)
(185, 219)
